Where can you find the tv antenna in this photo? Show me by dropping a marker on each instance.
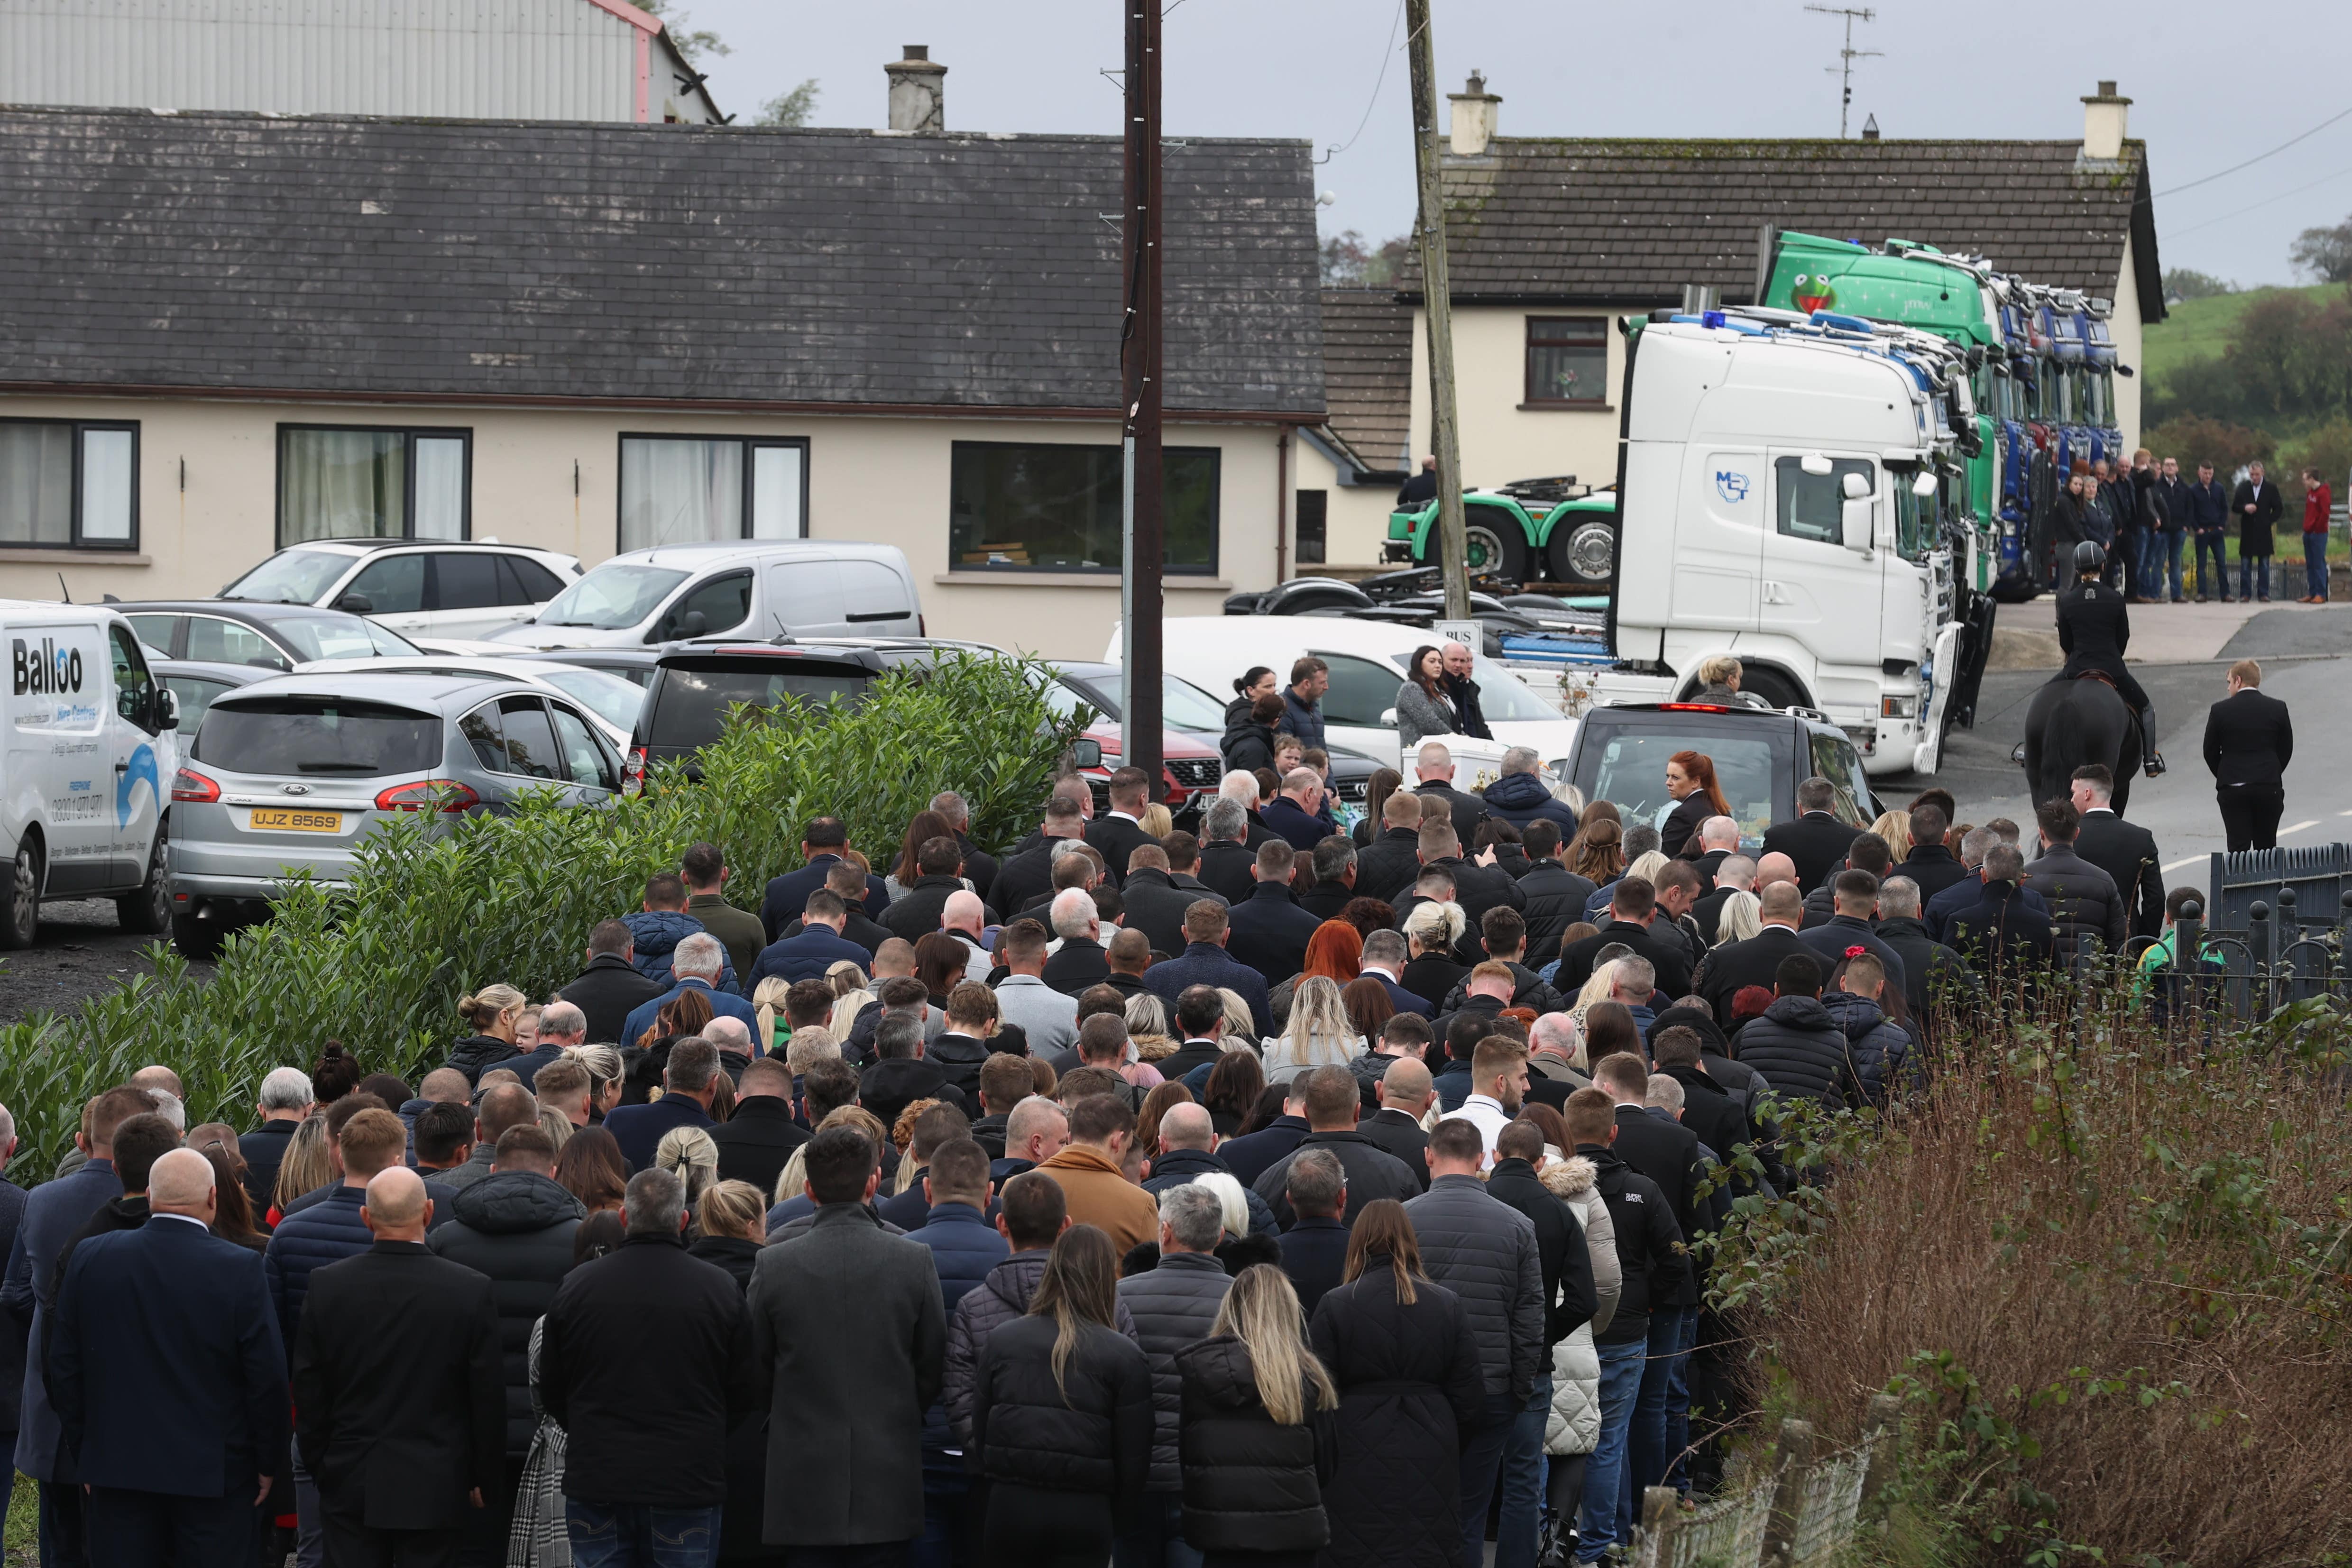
(1848, 55)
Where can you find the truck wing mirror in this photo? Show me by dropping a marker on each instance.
(1816, 464)
(1854, 486)
(1854, 520)
(1923, 483)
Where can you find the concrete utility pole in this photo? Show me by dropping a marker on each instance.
(1144, 558)
(1438, 296)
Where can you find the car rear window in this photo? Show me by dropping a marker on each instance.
(324, 736)
(1626, 764)
(691, 701)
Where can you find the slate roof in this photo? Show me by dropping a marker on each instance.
(1543, 220)
(1367, 374)
(730, 265)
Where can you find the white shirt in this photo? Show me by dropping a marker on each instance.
(183, 1219)
(1388, 975)
(1486, 1113)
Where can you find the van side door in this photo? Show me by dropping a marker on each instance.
(143, 757)
(59, 715)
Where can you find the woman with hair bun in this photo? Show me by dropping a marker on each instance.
(494, 1013)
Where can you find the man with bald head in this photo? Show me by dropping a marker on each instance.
(399, 1396)
(1406, 1092)
(1735, 873)
(1756, 961)
(1188, 1143)
(964, 917)
(170, 1380)
(1771, 867)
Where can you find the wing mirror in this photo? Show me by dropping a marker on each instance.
(1086, 753)
(1854, 515)
(356, 604)
(693, 623)
(1813, 463)
(167, 708)
(1923, 483)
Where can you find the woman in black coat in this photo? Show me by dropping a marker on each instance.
(1259, 1437)
(1690, 779)
(1062, 1415)
(1410, 1388)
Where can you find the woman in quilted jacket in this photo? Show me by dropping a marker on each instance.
(1574, 1424)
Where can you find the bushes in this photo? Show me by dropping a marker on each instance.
(2111, 1279)
(437, 908)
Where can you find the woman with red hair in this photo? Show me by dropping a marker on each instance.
(1335, 952)
(1690, 779)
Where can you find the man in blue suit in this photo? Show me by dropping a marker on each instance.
(689, 1085)
(788, 893)
(53, 1217)
(170, 1379)
(1206, 962)
(696, 963)
(817, 948)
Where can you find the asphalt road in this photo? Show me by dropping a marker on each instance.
(2306, 658)
(81, 951)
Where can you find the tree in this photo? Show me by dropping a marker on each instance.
(2195, 438)
(2325, 254)
(1350, 262)
(792, 109)
(690, 46)
(2188, 283)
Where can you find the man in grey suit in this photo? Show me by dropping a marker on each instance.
(851, 1319)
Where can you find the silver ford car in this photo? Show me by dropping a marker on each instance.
(289, 774)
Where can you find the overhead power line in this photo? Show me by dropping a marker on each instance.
(2266, 201)
(1386, 56)
(2258, 156)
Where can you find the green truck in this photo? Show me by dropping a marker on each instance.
(1529, 530)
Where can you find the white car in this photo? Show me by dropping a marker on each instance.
(417, 587)
(751, 588)
(1368, 659)
(612, 701)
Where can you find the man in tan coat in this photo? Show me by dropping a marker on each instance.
(1092, 1176)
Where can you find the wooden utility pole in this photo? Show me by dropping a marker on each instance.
(1144, 557)
(1437, 292)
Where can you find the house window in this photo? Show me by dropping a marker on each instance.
(1313, 508)
(1058, 507)
(65, 486)
(1568, 360)
(339, 483)
(683, 489)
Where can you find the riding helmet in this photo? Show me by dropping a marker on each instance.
(2089, 557)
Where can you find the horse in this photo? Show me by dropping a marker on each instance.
(2072, 722)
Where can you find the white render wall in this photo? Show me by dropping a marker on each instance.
(497, 60)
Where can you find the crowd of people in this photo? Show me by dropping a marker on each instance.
(1263, 1195)
(2144, 515)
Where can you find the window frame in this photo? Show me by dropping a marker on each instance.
(408, 434)
(1530, 398)
(74, 540)
(1216, 456)
(744, 445)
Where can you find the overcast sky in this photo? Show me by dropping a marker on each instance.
(1308, 69)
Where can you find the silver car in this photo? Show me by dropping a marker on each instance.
(291, 772)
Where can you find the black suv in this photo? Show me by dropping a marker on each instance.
(1760, 756)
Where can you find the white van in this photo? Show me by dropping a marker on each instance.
(758, 590)
(92, 750)
(1367, 661)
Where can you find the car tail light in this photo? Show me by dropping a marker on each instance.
(428, 795)
(190, 786)
(1692, 707)
(633, 772)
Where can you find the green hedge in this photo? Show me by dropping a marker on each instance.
(437, 908)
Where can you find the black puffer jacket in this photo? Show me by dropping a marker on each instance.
(1092, 1434)
(1556, 898)
(1878, 1048)
(477, 1054)
(1531, 991)
(1801, 1052)
(1484, 1250)
(988, 1306)
(1174, 1304)
(1249, 1484)
(515, 1227)
(2082, 900)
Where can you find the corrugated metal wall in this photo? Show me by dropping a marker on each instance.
(503, 59)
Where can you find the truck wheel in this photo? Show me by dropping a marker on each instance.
(198, 940)
(1582, 553)
(149, 910)
(23, 912)
(1771, 688)
(1493, 550)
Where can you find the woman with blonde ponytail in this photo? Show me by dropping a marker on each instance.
(1260, 1437)
(1061, 1413)
(768, 1006)
(494, 1015)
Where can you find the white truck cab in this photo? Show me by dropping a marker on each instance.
(1779, 503)
(91, 751)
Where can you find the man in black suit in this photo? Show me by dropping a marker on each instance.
(977, 863)
(1931, 863)
(846, 883)
(1079, 962)
(170, 1381)
(757, 1140)
(609, 988)
(1269, 931)
(2125, 850)
(1632, 908)
(1736, 874)
(1335, 878)
(2256, 506)
(1119, 833)
(2249, 741)
(1756, 961)
(1228, 863)
(1155, 904)
(399, 1390)
(1406, 1094)
(1477, 887)
(1816, 841)
(1856, 903)
(786, 895)
(1434, 766)
(1386, 868)
(1028, 873)
(1315, 1248)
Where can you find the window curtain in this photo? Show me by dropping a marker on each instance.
(680, 491)
(341, 483)
(37, 484)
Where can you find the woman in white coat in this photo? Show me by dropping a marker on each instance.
(1574, 1424)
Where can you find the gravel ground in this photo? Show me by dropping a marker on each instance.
(81, 951)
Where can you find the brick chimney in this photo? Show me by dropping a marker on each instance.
(1473, 117)
(917, 93)
(2106, 116)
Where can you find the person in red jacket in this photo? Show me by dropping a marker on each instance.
(2315, 502)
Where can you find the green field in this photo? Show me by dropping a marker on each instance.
(2195, 328)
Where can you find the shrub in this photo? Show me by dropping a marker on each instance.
(436, 908)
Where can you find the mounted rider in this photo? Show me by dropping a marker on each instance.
(2094, 628)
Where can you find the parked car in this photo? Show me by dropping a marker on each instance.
(1760, 756)
(635, 666)
(267, 637)
(91, 739)
(291, 773)
(795, 588)
(196, 683)
(417, 587)
(612, 702)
